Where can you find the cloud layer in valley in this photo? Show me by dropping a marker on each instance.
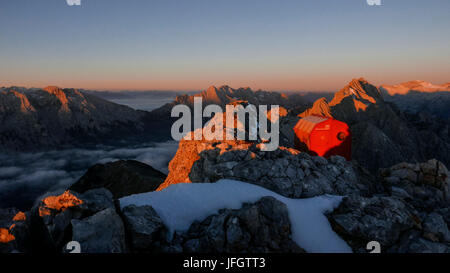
(25, 177)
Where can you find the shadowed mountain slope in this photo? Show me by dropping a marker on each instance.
(50, 118)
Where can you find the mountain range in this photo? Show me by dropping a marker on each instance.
(411, 86)
(390, 125)
(420, 97)
(383, 134)
(55, 118)
(231, 196)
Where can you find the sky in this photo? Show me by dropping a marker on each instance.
(284, 45)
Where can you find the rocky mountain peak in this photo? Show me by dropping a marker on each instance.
(212, 94)
(362, 92)
(15, 100)
(60, 95)
(225, 87)
(57, 92)
(355, 97)
(320, 108)
(53, 89)
(211, 89)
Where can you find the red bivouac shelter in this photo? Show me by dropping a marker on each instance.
(323, 136)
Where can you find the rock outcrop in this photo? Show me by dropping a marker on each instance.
(92, 222)
(188, 153)
(360, 220)
(54, 214)
(144, 227)
(262, 227)
(121, 178)
(102, 232)
(48, 226)
(285, 171)
(411, 216)
(14, 231)
(426, 185)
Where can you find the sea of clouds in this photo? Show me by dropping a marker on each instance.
(27, 177)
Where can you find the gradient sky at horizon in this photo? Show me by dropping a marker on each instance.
(192, 44)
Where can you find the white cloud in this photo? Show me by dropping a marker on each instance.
(24, 177)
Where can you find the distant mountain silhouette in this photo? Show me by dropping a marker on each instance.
(418, 86)
(224, 95)
(418, 97)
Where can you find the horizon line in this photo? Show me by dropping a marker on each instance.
(204, 89)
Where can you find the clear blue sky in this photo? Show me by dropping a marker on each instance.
(191, 44)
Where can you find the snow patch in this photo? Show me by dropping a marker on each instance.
(181, 204)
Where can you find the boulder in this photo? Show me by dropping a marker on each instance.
(424, 246)
(6, 217)
(7, 241)
(412, 242)
(261, 227)
(97, 200)
(121, 178)
(102, 232)
(435, 228)
(360, 220)
(426, 184)
(53, 215)
(14, 231)
(143, 226)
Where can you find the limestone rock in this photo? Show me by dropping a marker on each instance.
(102, 232)
(144, 227)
